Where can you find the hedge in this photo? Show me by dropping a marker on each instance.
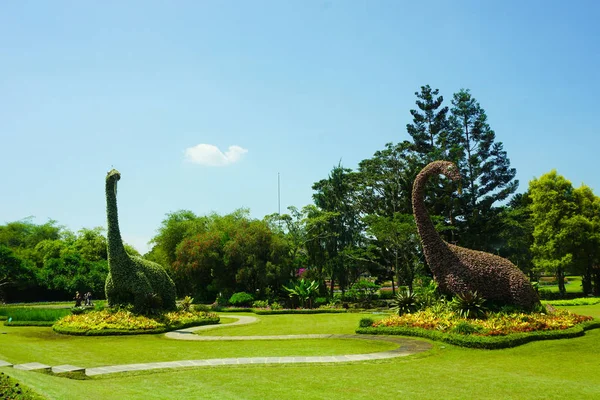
(484, 342)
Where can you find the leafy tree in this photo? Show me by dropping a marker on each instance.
(174, 229)
(553, 204)
(517, 232)
(13, 269)
(585, 233)
(336, 195)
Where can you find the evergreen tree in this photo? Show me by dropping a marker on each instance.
(429, 129)
(485, 169)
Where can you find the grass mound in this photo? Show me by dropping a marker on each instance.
(497, 330)
(123, 322)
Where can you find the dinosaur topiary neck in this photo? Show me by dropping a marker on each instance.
(430, 238)
(115, 244)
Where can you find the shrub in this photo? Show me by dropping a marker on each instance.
(260, 304)
(469, 305)
(241, 299)
(465, 328)
(77, 310)
(186, 303)
(202, 308)
(320, 301)
(366, 322)
(276, 306)
(405, 302)
(363, 291)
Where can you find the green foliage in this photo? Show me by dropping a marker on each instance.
(260, 304)
(465, 328)
(186, 303)
(276, 306)
(366, 322)
(303, 290)
(241, 299)
(10, 389)
(363, 291)
(131, 279)
(469, 305)
(405, 302)
(234, 253)
(34, 313)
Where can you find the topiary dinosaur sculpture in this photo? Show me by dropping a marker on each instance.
(132, 280)
(458, 270)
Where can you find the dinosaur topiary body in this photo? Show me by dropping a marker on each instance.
(132, 280)
(459, 270)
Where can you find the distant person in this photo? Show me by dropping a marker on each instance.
(88, 299)
(77, 299)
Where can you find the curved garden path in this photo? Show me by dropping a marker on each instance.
(405, 347)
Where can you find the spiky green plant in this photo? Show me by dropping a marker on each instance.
(405, 302)
(469, 305)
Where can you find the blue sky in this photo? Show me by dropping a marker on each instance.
(293, 86)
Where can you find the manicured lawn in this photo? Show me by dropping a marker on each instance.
(572, 286)
(558, 369)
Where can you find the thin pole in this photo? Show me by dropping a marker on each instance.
(278, 195)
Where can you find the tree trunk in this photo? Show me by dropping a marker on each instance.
(560, 275)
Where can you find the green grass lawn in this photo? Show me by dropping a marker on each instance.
(558, 369)
(572, 286)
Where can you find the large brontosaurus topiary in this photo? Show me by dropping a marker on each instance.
(132, 280)
(458, 270)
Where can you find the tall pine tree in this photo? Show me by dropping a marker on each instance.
(486, 173)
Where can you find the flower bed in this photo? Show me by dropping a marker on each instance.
(496, 331)
(107, 322)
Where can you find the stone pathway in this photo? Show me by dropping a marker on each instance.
(405, 347)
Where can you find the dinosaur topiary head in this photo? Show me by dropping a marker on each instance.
(113, 175)
(450, 170)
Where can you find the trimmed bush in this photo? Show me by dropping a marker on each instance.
(241, 299)
(457, 269)
(366, 322)
(132, 280)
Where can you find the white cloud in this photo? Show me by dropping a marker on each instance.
(207, 154)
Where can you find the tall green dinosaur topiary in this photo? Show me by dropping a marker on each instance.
(132, 280)
(458, 270)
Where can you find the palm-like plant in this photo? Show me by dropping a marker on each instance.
(469, 305)
(304, 290)
(405, 302)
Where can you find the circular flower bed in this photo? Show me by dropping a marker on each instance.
(123, 322)
(493, 325)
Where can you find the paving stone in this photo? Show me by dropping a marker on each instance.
(31, 366)
(61, 369)
(5, 364)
